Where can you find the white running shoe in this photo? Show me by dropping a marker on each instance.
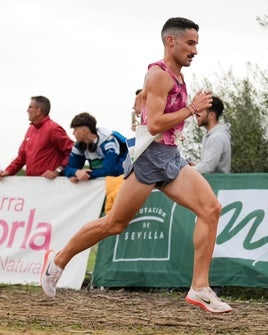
(50, 274)
(207, 299)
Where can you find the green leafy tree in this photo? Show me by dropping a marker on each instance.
(246, 110)
(263, 21)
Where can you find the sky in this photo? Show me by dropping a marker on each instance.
(91, 56)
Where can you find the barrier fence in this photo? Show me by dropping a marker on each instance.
(156, 249)
(37, 214)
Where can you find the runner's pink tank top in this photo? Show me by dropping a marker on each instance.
(177, 99)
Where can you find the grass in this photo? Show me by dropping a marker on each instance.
(244, 293)
(92, 258)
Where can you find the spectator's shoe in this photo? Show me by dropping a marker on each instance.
(208, 300)
(50, 274)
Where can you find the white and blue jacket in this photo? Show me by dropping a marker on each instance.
(106, 160)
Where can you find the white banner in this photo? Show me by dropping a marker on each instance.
(37, 214)
(244, 225)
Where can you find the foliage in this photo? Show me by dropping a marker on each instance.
(263, 21)
(21, 172)
(246, 110)
(190, 147)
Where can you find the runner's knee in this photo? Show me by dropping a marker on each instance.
(212, 212)
(116, 227)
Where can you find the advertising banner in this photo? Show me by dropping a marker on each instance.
(37, 214)
(156, 250)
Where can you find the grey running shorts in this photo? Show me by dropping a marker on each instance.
(159, 164)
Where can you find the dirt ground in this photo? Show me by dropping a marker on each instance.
(25, 310)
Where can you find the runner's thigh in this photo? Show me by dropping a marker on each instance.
(131, 196)
(190, 189)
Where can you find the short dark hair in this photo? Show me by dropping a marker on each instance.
(85, 119)
(174, 24)
(43, 103)
(217, 107)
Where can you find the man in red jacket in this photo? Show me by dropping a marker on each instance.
(46, 146)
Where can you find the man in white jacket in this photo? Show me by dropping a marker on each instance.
(216, 142)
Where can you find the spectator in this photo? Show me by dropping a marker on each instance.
(113, 183)
(216, 142)
(98, 146)
(46, 146)
(137, 107)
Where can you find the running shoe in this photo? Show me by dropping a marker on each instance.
(207, 299)
(50, 274)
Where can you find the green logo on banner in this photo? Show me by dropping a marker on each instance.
(242, 231)
(148, 236)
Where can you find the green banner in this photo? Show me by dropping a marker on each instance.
(156, 249)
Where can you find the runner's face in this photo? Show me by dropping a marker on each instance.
(185, 47)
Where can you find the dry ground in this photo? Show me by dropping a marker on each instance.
(25, 310)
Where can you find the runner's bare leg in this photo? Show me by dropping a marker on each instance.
(192, 191)
(131, 196)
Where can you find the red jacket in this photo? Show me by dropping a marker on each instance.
(46, 146)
